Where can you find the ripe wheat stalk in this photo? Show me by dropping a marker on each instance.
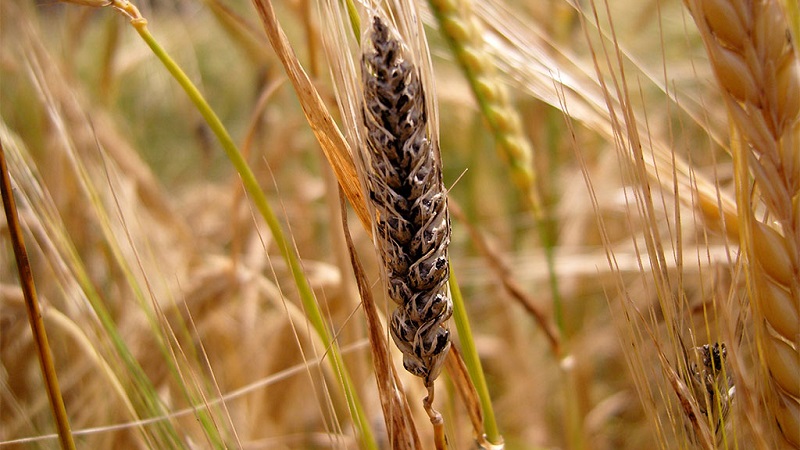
(755, 62)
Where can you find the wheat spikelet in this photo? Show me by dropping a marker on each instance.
(404, 180)
(755, 62)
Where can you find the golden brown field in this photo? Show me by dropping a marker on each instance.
(624, 189)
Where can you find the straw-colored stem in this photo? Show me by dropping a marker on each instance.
(110, 47)
(34, 312)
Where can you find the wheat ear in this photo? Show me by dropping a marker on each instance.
(465, 36)
(755, 62)
(404, 180)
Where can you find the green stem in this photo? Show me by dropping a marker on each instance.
(548, 237)
(34, 312)
(473, 362)
(355, 20)
(260, 200)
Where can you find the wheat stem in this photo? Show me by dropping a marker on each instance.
(47, 232)
(473, 363)
(34, 312)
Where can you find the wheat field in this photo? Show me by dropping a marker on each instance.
(623, 184)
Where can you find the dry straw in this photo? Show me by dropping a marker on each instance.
(755, 62)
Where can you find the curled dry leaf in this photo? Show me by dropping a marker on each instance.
(333, 144)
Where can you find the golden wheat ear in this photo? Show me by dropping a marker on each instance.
(755, 62)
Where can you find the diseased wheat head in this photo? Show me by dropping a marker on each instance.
(755, 62)
(404, 179)
(385, 92)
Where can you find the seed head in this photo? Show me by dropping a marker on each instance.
(404, 179)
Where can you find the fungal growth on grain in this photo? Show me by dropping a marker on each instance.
(404, 179)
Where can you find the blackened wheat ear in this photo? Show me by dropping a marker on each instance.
(404, 179)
